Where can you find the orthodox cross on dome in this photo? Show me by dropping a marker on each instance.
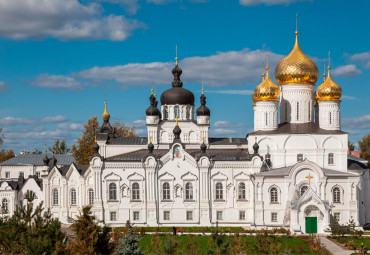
(309, 177)
(176, 55)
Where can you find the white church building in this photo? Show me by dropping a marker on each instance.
(293, 173)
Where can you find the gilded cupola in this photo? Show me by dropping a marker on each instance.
(267, 90)
(329, 90)
(296, 68)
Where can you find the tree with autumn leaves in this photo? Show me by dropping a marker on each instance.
(83, 150)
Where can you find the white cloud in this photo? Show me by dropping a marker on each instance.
(349, 97)
(9, 121)
(4, 87)
(61, 19)
(139, 123)
(70, 126)
(362, 122)
(57, 82)
(232, 92)
(360, 56)
(346, 71)
(222, 69)
(223, 131)
(270, 2)
(226, 124)
(140, 131)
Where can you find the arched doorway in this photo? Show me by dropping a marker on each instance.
(313, 216)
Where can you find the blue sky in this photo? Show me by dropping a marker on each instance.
(59, 57)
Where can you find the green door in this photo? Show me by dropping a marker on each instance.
(311, 225)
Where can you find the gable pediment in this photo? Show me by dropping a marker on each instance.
(310, 194)
(189, 177)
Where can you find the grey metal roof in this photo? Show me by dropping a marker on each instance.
(129, 140)
(81, 169)
(136, 156)
(18, 184)
(226, 141)
(284, 171)
(361, 160)
(355, 165)
(298, 128)
(36, 160)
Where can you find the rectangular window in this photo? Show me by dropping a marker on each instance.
(136, 215)
(113, 216)
(219, 215)
(166, 215)
(337, 217)
(331, 158)
(7, 175)
(189, 215)
(241, 215)
(274, 217)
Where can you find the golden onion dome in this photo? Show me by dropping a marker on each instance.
(329, 90)
(254, 98)
(267, 90)
(105, 115)
(296, 68)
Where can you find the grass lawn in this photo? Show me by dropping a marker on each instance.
(357, 241)
(199, 244)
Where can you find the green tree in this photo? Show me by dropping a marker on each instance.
(351, 146)
(83, 150)
(91, 238)
(59, 147)
(30, 231)
(128, 244)
(365, 148)
(219, 240)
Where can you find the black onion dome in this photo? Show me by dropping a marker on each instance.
(177, 94)
(203, 110)
(256, 147)
(96, 148)
(203, 147)
(46, 160)
(177, 131)
(150, 147)
(152, 110)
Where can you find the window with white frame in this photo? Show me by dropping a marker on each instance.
(303, 189)
(7, 175)
(219, 191)
(274, 195)
(55, 197)
(73, 197)
(91, 196)
(219, 215)
(241, 191)
(113, 216)
(274, 217)
(112, 191)
(189, 191)
(336, 195)
(331, 159)
(299, 157)
(165, 113)
(5, 206)
(135, 191)
(189, 215)
(136, 215)
(166, 191)
(177, 111)
(166, 215)
(337, 217)
(241, 215)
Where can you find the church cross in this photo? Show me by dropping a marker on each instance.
(309, 177)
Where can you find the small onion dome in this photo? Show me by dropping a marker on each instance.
(255, 146)
(150, 146)
(267, 90)
(96, 147)
(177, 130)
(53, 161)
(203, 147)
(254, 98)
(296, 68)
(105, 115)
(203, 110)
(329, 90)
(46, 159)
(177, 94)
(152, 110)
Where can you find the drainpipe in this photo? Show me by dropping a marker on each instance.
(146, 197)
(156, 190)
(251, 177)
(209, 189)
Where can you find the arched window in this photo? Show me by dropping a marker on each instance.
(55, 197)
(177, 111)
(331, 158)
(91, 196)
(4, 206)
(187, 113)
(336, 195)
(241, 191)
(309, 111)
(189, 191)
(266, 119)
(73, 197)
(299, 157)
(166, 191)
(165, 113)
(330, 121)
(303, 189)
(112, 191)
(297, 110)
(135, 191)
(274, 195)
(219, 191)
